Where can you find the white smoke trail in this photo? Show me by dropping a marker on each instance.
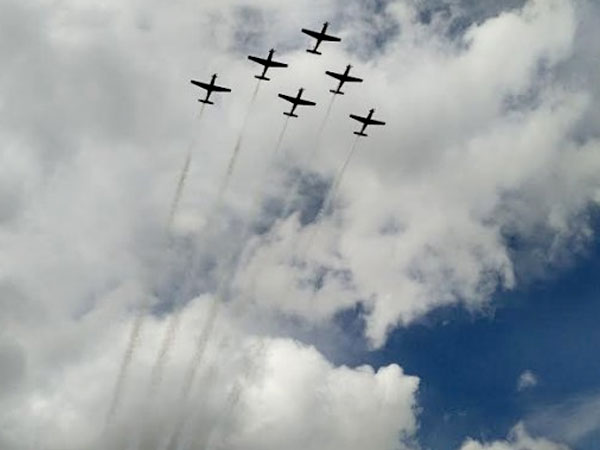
(281, 135)
(230, 268)
(310, 155)
(140, 318)
(325, 118)
(330, 198)
(125, 364)
(216, 435)
(183, 175)
(158, 368)
(175, 318)
(236, 149)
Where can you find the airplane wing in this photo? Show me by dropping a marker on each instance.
(301, 101)
(360, 119)
(206, 86)
(288, 98)
(258, 60)
(375, 122)
(313, 34)
(277, 64)
(328, 37)
(353, 79)
(220, 88)
(338, 76)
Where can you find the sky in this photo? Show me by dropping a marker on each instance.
(174, 276)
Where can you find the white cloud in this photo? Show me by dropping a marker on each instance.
(527, 380)
(252, 393)
(518, 439)
(97, 112)
(572, 420)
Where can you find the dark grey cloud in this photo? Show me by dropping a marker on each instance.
(13, 367)
(458, 15)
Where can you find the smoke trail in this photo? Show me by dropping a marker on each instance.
(325, 119)
(175, 318)
(238, 146)
(230, 268)
(166, 344)
(235, 394)
(340, 175)
(125, 363)
(329, 199)
(287, 204)
(192, 370)
(140, 318)
(183, 176)
(281, 135)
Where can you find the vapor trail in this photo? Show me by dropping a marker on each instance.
(325, 118)
(183, 175)
(175, 318)
(140, 318)
(331, 195)
(192, 370)
(125, 363)
(287, 205)
(281, 135)
(235, 394)
(166, 344)
(238, 146)
(229, 270)
(340, 175)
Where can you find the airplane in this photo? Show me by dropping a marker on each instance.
(343, 78)
(210, 88)
(295, 102)
(366, 121)
(266, 63)
(320, 37)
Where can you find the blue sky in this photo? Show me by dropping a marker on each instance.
(470, 363)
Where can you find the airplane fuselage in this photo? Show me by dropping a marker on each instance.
(267, 63)
(210, 88)
(320, 37)
(295, 101)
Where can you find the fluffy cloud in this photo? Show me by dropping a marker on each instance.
(487, 143)
(527, 380)
(253, 393)
(478, 153)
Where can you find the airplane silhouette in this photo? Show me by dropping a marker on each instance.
(295, 101)
(320, 37)
(210, 88)
(366, 121)
(267, 64)
(343, 78)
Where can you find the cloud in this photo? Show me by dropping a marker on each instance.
(518, 439)
(252, 393)
(429, 207)
(484, 146)
(527, 380)
(572, 421)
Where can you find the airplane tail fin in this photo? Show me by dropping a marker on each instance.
(261, 77)
(314, 52)
(336, 91)
(289, 114)
(358, 133)
(208, 102)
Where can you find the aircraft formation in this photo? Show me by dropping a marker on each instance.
(211, 87)
(269, 62)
